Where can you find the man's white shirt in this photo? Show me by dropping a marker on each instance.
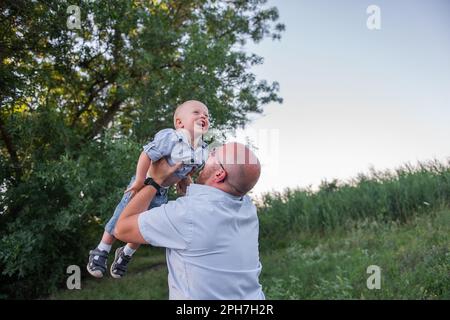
(211, 241)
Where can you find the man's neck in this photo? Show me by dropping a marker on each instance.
(222, 187)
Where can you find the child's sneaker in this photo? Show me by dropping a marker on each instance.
(119, 266)
(97, 262)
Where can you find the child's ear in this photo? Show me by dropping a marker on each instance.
(179, 123)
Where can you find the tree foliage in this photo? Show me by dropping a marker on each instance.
(76, 104)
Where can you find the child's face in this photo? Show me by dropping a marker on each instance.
(194, 118)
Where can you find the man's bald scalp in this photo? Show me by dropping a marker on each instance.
(242, 175)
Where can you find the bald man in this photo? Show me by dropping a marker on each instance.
(211, 234)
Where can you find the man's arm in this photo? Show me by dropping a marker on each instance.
(127, 227)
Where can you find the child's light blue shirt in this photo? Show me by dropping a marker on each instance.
(175, 147)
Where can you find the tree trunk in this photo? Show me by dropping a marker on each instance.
(11, 150)
(107, 117)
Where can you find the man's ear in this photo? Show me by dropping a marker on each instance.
(220, 176)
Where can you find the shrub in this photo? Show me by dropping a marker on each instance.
(59, 213)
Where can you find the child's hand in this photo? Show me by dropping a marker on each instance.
(135, 187)
(182, 185)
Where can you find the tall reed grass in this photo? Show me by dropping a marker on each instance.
(379, 195)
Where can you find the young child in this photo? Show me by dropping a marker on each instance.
(185, 144)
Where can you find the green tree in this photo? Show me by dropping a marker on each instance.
(77, 102)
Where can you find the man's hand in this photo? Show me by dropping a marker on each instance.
(182, 185)
(127, 227)
(160, 171)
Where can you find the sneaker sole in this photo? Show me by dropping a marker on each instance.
(115, 276)
(96, 273)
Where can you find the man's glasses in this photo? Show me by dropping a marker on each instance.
(213, 153)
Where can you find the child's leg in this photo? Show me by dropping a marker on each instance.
(123, 254)
(98, 257)
(122, 258)
(133, 246)
(106, 242)
(130, 248)
(108, 238)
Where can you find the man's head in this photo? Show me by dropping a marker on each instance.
(232, 168)
(192, 116)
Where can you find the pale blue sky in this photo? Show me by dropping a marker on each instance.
(354, 98)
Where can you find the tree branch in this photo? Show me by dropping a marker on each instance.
(106, 118)
(174, 64)
(92, 95)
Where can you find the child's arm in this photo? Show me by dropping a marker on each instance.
(142, 167)
(184, 183)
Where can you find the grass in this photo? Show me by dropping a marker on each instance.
(146, 279)
(414, 257)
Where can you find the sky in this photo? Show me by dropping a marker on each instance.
(354, 98)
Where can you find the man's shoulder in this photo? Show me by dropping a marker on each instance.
(175, 210)
(180, 205)
(189, 205)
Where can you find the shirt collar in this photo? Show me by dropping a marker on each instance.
(201, 189)
(181, 134)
